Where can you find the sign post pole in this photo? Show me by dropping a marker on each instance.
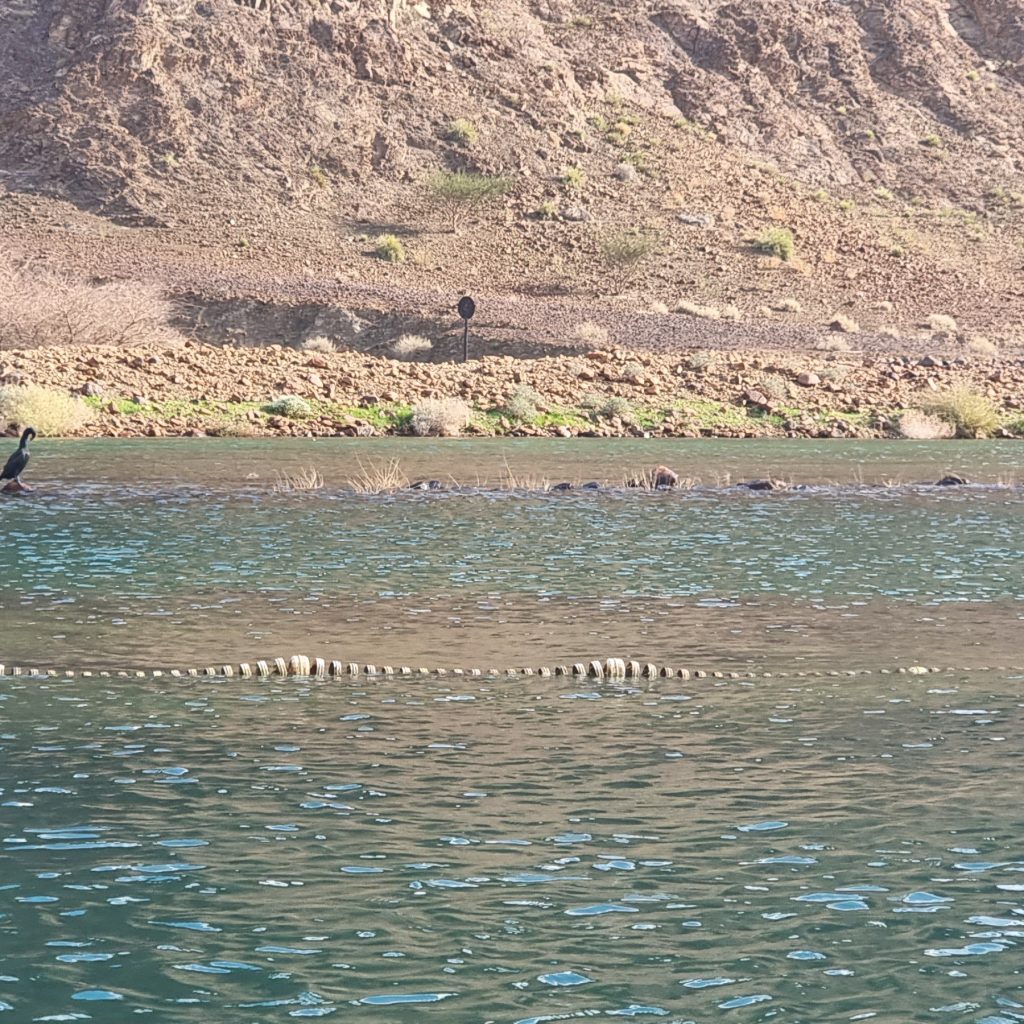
(466, 308)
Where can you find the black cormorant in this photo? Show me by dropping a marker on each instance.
(17, 462)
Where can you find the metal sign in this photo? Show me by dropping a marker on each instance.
(466, 308)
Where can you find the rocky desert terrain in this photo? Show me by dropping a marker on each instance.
(748, 177)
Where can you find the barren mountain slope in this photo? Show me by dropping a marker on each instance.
(887, 136)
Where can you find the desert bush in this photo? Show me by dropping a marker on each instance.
(440, 417)
(919, 426)
(632, 368)
(730, 312)
(574, 179)
(617, 407)
(982, 346)
(970, 414)
(463, 132)
(548, 210)
(390, 249)
(318, 344)
(410, 345)
(932, 141)
(844, 324)
(941, 322)
(51, 412)
(291, 406)
(456, 191)
(626, 172)
(776, 242)
(701, 360)
(625, 251)
(695, 309)
(522, 405)
(591, 333)
(788, 305)
(41, 308)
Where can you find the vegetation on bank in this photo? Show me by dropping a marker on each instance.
(56, 413)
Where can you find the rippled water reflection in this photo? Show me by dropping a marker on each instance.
(173, 576)
(503, 851)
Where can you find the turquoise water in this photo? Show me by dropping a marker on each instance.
(511, 852)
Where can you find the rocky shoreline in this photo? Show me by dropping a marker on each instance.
(193, 389)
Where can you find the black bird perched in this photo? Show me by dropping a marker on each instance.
(17, 462)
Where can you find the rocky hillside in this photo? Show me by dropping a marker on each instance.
(288, 134)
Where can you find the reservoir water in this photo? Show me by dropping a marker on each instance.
(513, 851)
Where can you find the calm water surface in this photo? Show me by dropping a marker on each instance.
(509, 853)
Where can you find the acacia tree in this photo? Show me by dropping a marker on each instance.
(454, 192)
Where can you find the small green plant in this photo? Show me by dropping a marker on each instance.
(390, 249)
(884, 194)
(846, 205)
(319, 175)
(548, 210)
(932, 141)
(574, 179)
(456, 191)
(820, 196)
(522, 406)
(776, 242)
(970, 414)
(290, 406)
(463, 132)
(973, 76)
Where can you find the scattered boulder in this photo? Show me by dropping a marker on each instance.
(427, 485)
(808, 380)
(952, 480)
(564, 486)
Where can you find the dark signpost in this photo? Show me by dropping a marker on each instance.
(466, 308)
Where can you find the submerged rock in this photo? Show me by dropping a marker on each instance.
(951, 481)
(763, 485)
(427, 485)
(565, 486)
(665, 477)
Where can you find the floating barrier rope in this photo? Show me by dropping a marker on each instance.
(301, 667)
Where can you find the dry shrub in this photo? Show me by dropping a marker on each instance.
(51, 412)
(970, 414)
(410, 345)
(694, 309)
(304, 479)
(919, 426)
(982, 346)
(522, 406)
(842, 323)
(42, 308)
(379, 477)
(318, 344)
(732, 313)
(660, 308)
(591, 333)
(440, 417)
(941, 322)
(788, 305)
